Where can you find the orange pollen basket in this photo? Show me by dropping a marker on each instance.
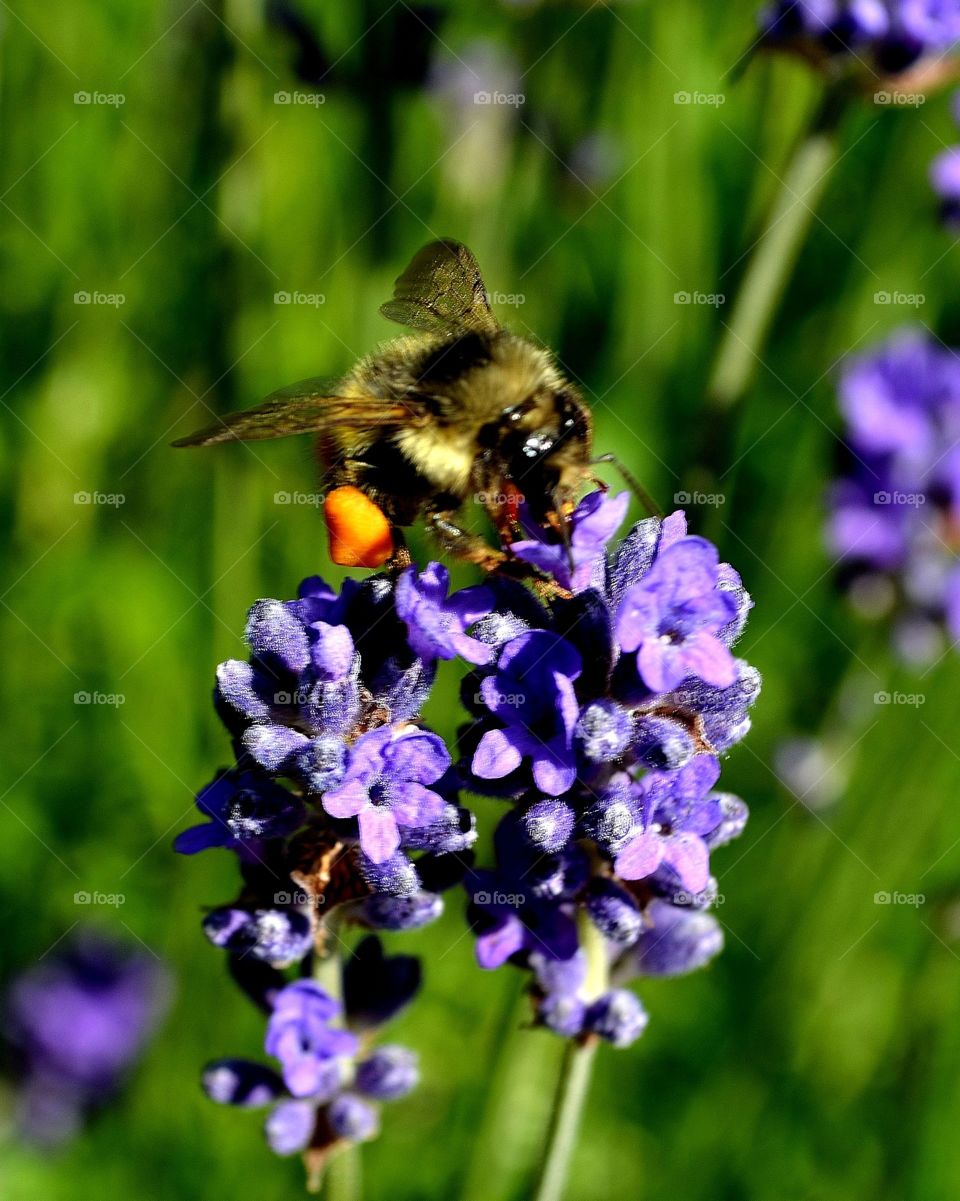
(359, 531)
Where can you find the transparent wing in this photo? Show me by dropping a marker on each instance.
(304, 408)
(441, 291)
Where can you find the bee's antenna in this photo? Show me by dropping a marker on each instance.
(642, 495)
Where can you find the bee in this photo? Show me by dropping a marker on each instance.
(460, 409)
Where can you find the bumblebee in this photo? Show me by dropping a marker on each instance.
(461, 410)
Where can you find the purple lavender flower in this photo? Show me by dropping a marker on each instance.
(603, 719)
(279, 937)
(290, 1126)
(676, 812)
(437, 624)
(299, 1034)
(388, 1073)
(673, 616)
(897, 507)
(532, 693)
(676, 940)
(591, 526)
(245, 810)
(78, 1022)
(353, 1118)
(385, 786)
(890, 35)
(329, 1089)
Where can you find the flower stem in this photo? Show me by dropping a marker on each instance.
(775, 254)
(574, 1082)
(340, 1172)
(568, 1108)
(343, 1175)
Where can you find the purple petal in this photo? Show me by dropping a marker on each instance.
(660, 665)
(597, 518)
(414, 805)
(470, 604)
(201, 838)
(366, 754)
(379, 836)
(672, 529)
(272, 746)
(637, 616)
(471, 649)
(416, 755)
(346, 801)
(688, 856)
(640, 857)
(686, 569)
(496, 756)
(289, 1127)
(705, 656)
(496, 946)
(553, 769)
(551, 560)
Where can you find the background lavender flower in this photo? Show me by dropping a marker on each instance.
(78, 1022)
(893, 35)
(945, 177)
(894, 511)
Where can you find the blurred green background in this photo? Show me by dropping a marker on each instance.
(819, 1057)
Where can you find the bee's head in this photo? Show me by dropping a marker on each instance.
(542, 446)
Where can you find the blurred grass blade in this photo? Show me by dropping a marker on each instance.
(774, 256)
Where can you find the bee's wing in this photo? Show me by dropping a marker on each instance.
(304, 408)
(441, 291)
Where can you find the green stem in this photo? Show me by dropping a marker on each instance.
(343, 1175)
(340, 1173)
(776, 252)
(568, 1108)
(574, 1082)
(510, 1130)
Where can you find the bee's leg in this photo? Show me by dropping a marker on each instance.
(458, 542)
(401, 557)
